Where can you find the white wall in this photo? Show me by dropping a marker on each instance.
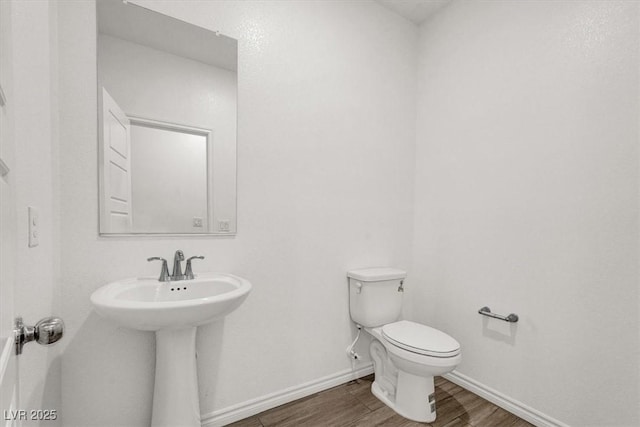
(527, 200)
(7, 190)
(34, 109)
(325, 168)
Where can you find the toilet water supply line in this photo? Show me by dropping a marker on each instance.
(350, 350)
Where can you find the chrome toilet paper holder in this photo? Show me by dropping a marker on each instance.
(486, 311)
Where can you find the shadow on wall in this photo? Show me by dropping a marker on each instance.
(209, 341)
(499, 330)
(49, 398)
(125, 375)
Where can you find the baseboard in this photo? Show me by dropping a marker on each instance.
(523, 411)
(255, 406)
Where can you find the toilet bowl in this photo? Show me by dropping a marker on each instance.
(418, 349)
(406, 355)
(418, 353)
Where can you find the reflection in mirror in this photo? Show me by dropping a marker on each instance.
(180, 196)
(167, 108)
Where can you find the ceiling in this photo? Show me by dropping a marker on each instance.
(136, 24)
(417, 11)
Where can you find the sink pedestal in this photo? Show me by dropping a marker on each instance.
(147, 304)
(175, 394)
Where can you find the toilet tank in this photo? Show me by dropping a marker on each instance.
(374, 295)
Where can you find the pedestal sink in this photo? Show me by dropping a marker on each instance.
(173, 310)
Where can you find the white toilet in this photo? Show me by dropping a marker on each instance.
(406, 355)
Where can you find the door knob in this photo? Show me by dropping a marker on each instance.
(46, 332)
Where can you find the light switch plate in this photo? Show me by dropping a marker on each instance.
(34, 225)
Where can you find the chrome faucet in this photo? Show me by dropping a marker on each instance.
(177, 268)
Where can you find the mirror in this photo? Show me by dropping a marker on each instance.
(167, 108)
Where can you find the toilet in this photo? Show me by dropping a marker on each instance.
(406, 355)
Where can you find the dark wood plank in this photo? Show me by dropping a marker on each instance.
(353, 405)
(446, 387)
(502, 418)
(361, 390)
(438, 380)
(458, 422)
(247, 422)
(386, 417)
(453, 406)
(480, 414)
(332, 407)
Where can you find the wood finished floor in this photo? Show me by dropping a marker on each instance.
(353, 405)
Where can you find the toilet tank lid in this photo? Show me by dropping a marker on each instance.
(377, 274)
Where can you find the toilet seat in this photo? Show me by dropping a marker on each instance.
(420, 339)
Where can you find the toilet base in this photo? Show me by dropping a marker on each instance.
(414, 399)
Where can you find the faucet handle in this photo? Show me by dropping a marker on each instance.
(188, 271)
(164, 272)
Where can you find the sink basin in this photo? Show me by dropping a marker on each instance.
(173, 310)
(149, 305)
